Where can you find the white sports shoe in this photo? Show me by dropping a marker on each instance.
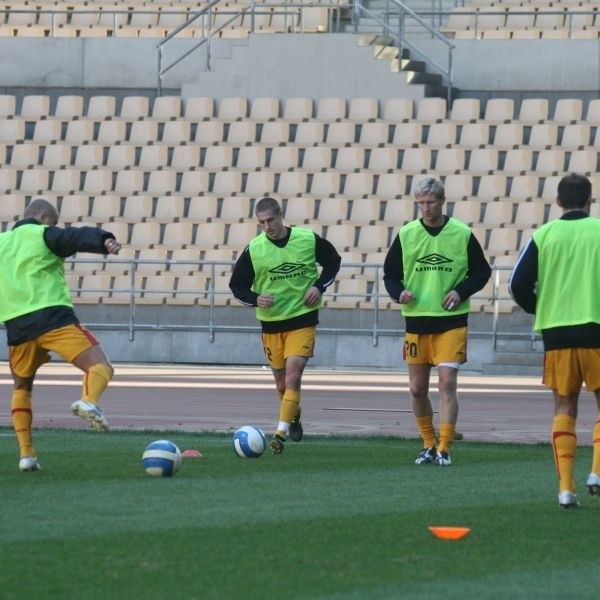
(568, 499)
(29, 463)
(443, 459)
(593, 484)
(91, 413)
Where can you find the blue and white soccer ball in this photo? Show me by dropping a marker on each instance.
(161, 458)
(249, 442)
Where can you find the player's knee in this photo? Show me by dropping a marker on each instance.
(103, 370)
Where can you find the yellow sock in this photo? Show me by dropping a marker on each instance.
(425, 425)
(95, 381)
(287, 411)
(596, 446)
(564, 444)
(446, 437)
(22, 416)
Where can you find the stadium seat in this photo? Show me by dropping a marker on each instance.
(259, 183)
(331, 109)
(300, 210)
(284, 158)
(232, 108)
(474, 135)
(383, 160)
(137, 208)
(317, 158)
(69, 107)
(465, 110)
(349, 158)
(25, 155)
(298, 109)
(275, 133)
(468, 211)
(441, 135)
(363, 109)
(101, 107)
(121, 156)
(264, 109)
(89, 156)
(407, 135)
(398, 110)
(333, 210)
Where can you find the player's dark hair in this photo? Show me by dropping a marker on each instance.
(39, 206)
(574, 190)
(267, 204)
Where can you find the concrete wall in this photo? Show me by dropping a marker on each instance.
(313, 65)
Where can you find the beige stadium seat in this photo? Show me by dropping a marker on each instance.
(166, 108)
(298, 109)
(121, 156)
(137, 208)
(185, 157)
(199, 108)
(474, 135)
(12, 206)
(490, 17)
(524, 188)
(331, 109)
(333, 210)
(240, 234)
(300, 210)
(508, 135)
(458, 186)
(549, 189)
(57, 156)
(550, 162)
(35, 181)
(232, 108)
(240, 133)
(450, 160)
(153, 157)
(465, 110)
(468, 211)
(592, 114)
(175, 132)
(8, 105)
(340, 133)
(575, 136)
(549, 18)
(358, 185)
(211, 235)
(530, 214)
(431, 110)
(567, 110)
(101, 107)
(349, 158)
(120, 229)
(416, 160)
(152, 260)
(292, 183)
(543, 135)
(374, 134)
(391, 185)
(348, 293)
(35, 106)
(124, 290)
(157, 289)
(441, 135)
(201, 209)
(533, 110)
(47, 131)
(520, 17)
(83, 16)
(79, 132)
(89, 156)
(185, 261)
(12, 131)
(250, 158)
(129, 182)
(342, 236)
(236, 209)
(351, 264)
(499, 110)
(264, 109)
(457, 22)
(366, 210)
(106, 208)
(25, 155)
(227, 183)
(398, 110)
(75, 207)
(134, 108)
(372, 238)
(325, 183)
(260, 183)
(363, 109)
(8, 180)
(499, 213)
(317, 158)
(143, 132)
(483, 161)
(583, 161)
(407, 135)
(218, 157)
(502, 241)
(69, 181)
(190, 289)
(492, 186)
(86, 263)
(275, 133)
(383, 159)
(144, 234)
(309, 133)
(284, 158)
(194, 182)
(169, 208)
(94, 289)
(178, 235)
(68, 107)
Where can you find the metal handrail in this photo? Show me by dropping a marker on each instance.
(400, 38)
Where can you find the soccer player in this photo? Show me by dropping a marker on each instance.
(556, 279)
(36, 309)
(432, 267)
(277, 273)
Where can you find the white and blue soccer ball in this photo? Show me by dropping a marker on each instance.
(249, 442)
(161, 458)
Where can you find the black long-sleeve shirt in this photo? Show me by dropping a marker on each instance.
(63, 242)
(478, 273)
(522, 286)
(243, 275)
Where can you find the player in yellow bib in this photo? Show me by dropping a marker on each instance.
(277, 273)
(556, 278)
(432, 268)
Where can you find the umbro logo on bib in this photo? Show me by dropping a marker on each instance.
(287, 268)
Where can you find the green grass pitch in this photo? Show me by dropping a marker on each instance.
(333, 517)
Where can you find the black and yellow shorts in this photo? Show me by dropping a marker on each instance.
(279, 346)
(436, 348)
